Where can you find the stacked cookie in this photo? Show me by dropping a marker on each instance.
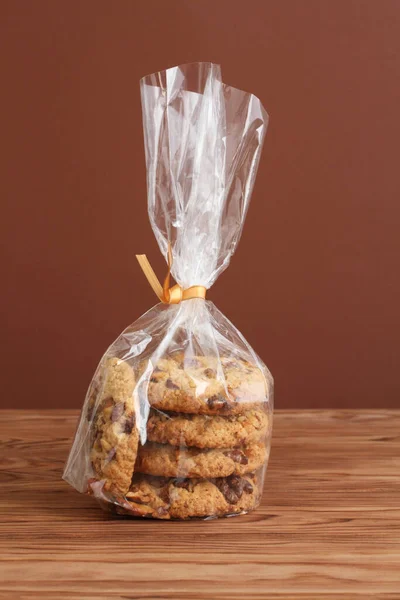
(114, 436)
(206, 437)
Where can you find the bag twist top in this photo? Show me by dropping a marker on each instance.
(203, 141)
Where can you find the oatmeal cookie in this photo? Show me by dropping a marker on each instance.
(115, 436)
(206, 385)
(170, 461)
(204, 431)
(165, 498)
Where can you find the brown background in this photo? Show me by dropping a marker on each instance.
(322, 234)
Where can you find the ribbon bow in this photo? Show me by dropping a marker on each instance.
(165, 293)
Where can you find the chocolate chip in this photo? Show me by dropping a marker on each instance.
(231, 496)
(217, 402)
(210, 373)
(233, 487)
(171, 385)
(128, 425)
(234, 481)
(225, 489)
(237, 456)
(237, 484)
(117, 411)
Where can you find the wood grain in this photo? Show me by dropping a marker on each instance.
(328, 527)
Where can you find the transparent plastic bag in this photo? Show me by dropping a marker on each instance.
(177, 420)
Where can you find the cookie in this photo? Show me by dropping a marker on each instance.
(204, 431)
(206, 385)
(165, 498)
(170, 461)
(115, 437)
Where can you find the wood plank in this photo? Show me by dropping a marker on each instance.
(328, 527)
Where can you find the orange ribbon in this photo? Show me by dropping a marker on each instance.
(166, 294)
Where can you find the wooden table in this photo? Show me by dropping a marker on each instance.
(329, 525)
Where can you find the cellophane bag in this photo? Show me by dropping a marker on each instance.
(177, 420)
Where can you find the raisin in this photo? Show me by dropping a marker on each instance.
(128, 425)
(237, 456)
(217, 402)
(171, 385)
